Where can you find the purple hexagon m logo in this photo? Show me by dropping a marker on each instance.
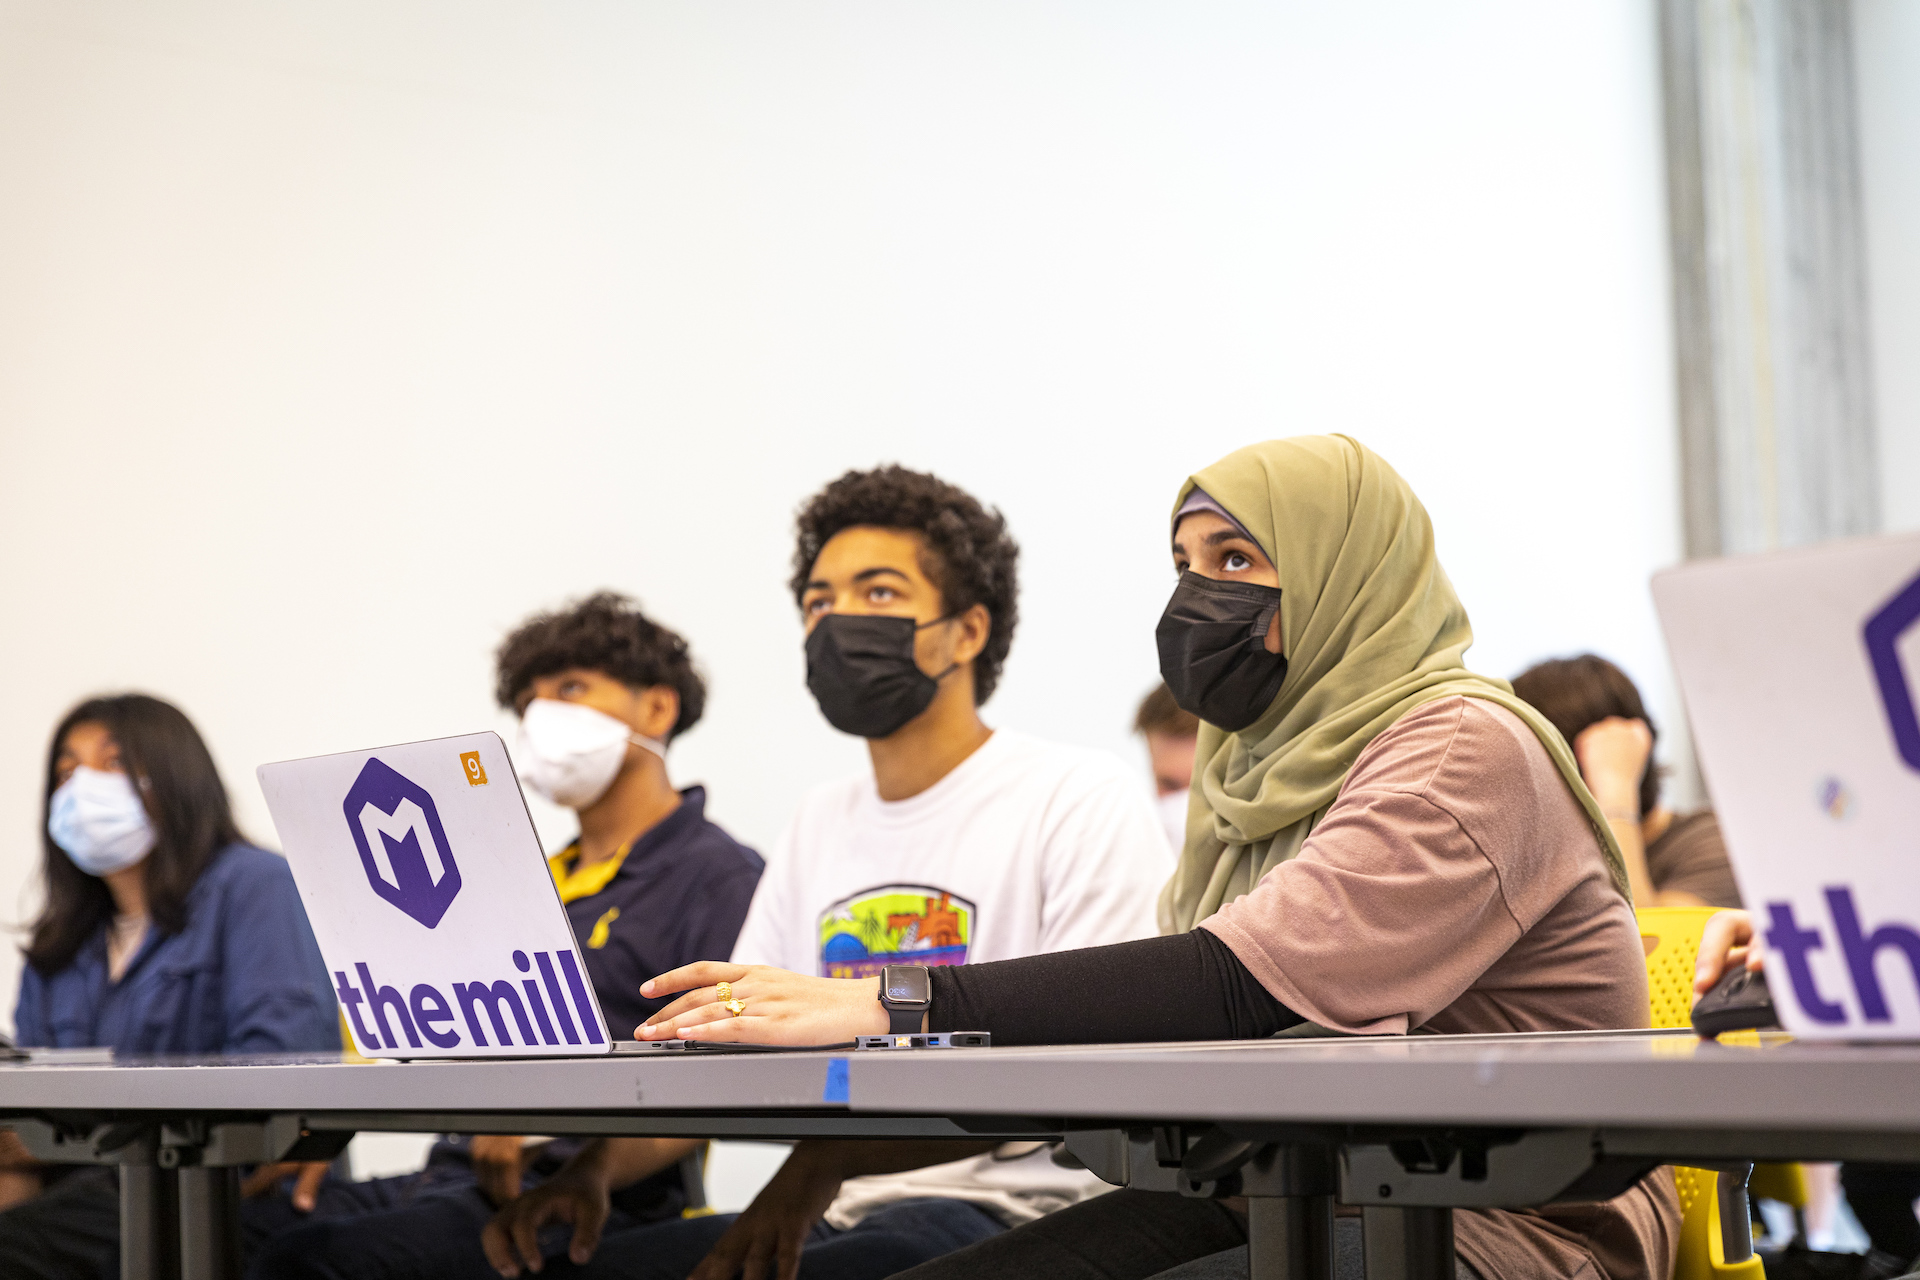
(1883, 631)
(403, 848)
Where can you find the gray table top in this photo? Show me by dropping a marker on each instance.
(612, 1082)
(1620, 1080)
(1663, 1079)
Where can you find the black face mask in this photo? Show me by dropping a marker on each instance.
(1213, 650)
(861, 671)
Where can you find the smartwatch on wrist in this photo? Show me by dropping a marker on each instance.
(907, 993)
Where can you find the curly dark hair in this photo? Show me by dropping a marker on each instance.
(604, 632)
(970, 557)
(1576, 692)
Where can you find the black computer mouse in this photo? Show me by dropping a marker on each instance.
(1740, 1001)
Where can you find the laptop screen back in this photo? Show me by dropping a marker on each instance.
(1800, 671)
(432, 903)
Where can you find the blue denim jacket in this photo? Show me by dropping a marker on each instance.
(243, 976)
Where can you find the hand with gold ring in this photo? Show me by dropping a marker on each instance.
(788, 1008)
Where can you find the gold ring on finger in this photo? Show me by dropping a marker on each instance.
(733, 1007)
(723, 992)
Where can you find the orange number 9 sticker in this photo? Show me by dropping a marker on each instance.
(476, 772)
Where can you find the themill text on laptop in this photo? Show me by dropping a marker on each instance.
(432, 902)
(1801, 671)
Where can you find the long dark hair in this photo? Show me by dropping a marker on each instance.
(162, 751)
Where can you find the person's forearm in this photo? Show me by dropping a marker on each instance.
(14, 1156)
(17, 1186)
(1620, 802)
(1614, 755)
(839, 1160)
(621, 1162)
(19, 1171)
(1633, 851)
(1186, 987)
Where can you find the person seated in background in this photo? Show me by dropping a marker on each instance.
(163, 932)
(1672, 861)
(600, 689)
(1882, 1194)
(1171, 736)
(1382, 843)
(962, 843)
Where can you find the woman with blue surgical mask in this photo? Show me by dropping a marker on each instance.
(163, 931)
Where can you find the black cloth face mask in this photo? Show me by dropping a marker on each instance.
(1213, 650)
(861, 671)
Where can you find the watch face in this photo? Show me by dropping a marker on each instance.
(907, 984)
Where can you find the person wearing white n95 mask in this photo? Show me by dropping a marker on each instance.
(98, 820)
(600, 689)
(570, 753)
(1171, 735)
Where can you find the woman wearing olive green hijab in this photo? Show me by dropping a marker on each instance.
(1378, 842)
(1371, 629)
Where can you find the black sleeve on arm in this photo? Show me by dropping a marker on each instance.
(1187, 987)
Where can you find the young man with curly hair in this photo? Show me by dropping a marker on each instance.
(962, 843)
(600, 689)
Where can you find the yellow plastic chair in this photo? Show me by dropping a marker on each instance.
(1702, 1254)
(1671, 936)
(1786, 1183)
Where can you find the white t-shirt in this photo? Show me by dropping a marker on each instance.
(1025, 847)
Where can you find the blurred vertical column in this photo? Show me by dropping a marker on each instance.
(1769, 273)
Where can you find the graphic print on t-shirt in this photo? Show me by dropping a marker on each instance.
(894, 924)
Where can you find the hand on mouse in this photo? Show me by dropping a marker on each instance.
(1727, 940)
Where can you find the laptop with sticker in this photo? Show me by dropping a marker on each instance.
(1801, 675)
(432, 902)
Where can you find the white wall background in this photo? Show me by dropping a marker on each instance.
(334, 338)
(1886, 51)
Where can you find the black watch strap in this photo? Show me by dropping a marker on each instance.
(907, 993)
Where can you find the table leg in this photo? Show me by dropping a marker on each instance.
(209, 1223)
(1736, 1214)
(149, 1250)
(1407, 1244)
(1290, 1237)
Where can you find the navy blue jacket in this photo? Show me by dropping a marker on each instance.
(243, 976)
(681, 895)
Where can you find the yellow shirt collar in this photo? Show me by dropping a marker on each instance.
(586, 881)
